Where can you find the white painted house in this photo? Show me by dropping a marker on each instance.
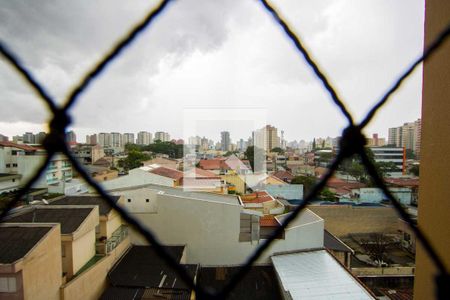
(216, 229)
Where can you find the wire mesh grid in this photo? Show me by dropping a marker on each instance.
(352, 143)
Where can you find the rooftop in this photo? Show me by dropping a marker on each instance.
(283, 175)
(141, 273)
(286, 191)
(179, 192)
(168, 172)
(18, 146)
(268, 221)
(257, 197)
(259, 283)
(103, 206)
(333, 243)
(142, 267)
(317, 275)
(69, 218)
(17, 241)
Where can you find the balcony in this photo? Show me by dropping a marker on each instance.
(105, 247)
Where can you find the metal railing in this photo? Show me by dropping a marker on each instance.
(352, 143)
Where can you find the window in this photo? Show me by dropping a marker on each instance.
(146, 200)
(13, 180)
(129, 200)
(14, 165)
(8, 165)
(8, 285)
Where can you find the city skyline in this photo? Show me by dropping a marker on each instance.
(235, 57)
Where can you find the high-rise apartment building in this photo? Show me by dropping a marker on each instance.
(267, 136)
(144, 138)
(104, 139)
(28, 138)
(116, 140)
(39, 137)
(162, 136)
(128, 138)
(407, 136)
(71, 137)
(225, 141)
(92, 139)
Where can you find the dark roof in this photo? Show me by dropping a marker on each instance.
(122, 293)
(18, 241)
(333, 243)
(259, 283)
(69, 218)
(142, 267)
(103, 206)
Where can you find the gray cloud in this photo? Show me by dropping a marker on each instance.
(212, 53)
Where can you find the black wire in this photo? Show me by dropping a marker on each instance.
(28, 77)
(351, 143)
(276, 233)
(379, 182)
(319, 74)
(114, 53)
(432, 49)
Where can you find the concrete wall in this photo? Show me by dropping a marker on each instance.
(389, 271)
(376, 195)
(114, 222)
(434, 194)
(92, 282)
(341, 220)
(136, 177)
(83, 249)
(9, 185)
(211, 230)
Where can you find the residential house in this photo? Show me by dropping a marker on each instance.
(78, 225)
(211, 225)
(30, 261)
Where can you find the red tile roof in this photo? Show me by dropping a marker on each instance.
(257, 197)
(406, 182)
(200, 173)
(213, 164)
(283, 175)
(268, 221)
(167, 172)
(18, 146)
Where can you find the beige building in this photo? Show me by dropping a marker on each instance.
(78, 225)
(266, 138)
(434, 190)
(30, 261)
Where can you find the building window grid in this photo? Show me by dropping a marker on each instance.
(351, 143)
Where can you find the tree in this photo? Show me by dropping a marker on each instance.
(357, 171)
(384, 167)
(277, 150)
(169, 148)
(314, 144)
(376, 247)
(327, 195)
(133, 160)
(308, 183)
(325, 158)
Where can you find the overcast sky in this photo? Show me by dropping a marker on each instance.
(212, 55)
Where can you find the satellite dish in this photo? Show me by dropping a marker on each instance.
(45, 201)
